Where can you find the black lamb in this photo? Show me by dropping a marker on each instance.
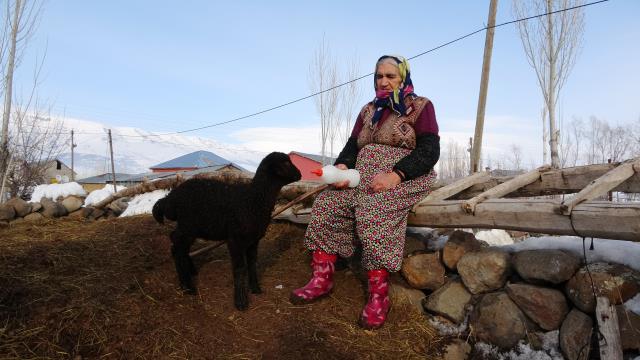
(238, 213)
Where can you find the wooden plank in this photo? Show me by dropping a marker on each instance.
(601, 219)
(554, 182)
(456, 187)
(499, 191)
(610, 344)
(601, 186)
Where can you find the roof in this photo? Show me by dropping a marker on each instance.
(317, 158)
(104, 178)
(198, 159)
(150, 176)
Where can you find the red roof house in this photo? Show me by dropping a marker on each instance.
(307, 162)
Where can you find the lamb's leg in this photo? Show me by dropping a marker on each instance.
(252, 256)
(184, 265)
(239, 263)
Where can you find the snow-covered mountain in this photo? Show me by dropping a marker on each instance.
(135, 150)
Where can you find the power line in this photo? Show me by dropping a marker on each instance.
(371, 73)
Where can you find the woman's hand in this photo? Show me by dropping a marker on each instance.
(341, 184)
(385, 181)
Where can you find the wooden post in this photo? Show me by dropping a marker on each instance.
(609, 194)
(484, 84)
(610, 344)
(113, 168)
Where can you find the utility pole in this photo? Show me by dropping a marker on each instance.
(484, 84)
(73, 145)
(113, 168)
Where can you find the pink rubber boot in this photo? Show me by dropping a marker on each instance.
(321, 283)
(375, 311)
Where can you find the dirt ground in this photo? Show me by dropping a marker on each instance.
(108, 289)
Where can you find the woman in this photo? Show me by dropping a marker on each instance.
(394, 145)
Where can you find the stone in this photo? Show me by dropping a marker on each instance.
(456, 350)
(36, 206)
(17, 221)
(575, 335)
(412, 244)
(546, 307)
(459, 243)
(449, 301)
(7, 212)
(423, 271)
(34, 217)
(52, 209)
(485, 270)
(497, 320)
(551, 266)
(118, 206)
(617, 282)
(400, 292)
(76, 214)
(21, 207)
(72, 203)
(629, 325)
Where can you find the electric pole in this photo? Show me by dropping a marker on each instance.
(73, 145)
(484, 84)
(113, 168)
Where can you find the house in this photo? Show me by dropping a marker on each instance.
(193, 161)
(99, 181)
(307, 162)
(56, 171)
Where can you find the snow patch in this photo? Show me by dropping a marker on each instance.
(494, 237)
(143, 203)
(633, 304)
(98, 195)
(53, 191)
(605, 250)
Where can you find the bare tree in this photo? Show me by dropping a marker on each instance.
(323, 75)
(515, 157)
(349, 101)
(20, 18)
(551, 44)
(38, 140)
(454, 162)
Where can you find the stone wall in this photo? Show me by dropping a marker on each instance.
(479, 293)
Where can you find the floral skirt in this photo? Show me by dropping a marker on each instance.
(342, 218)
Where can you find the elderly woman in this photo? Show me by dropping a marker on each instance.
(394, 145)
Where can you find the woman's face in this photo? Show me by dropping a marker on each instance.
(387, 77)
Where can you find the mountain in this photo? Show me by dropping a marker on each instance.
(135, 150)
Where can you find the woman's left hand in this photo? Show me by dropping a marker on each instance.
(384, 181)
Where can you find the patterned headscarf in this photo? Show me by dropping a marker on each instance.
(393, 100)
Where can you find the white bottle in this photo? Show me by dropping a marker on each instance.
(330, 174)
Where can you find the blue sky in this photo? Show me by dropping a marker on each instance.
(166, 66)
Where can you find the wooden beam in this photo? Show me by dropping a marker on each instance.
(456, 187)
(504, 188)
(553, 182)
(601, 219)
(602, 185)
(610, 344)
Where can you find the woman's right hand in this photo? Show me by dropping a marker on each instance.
(341, 184)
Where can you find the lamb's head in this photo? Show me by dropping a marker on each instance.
(279, 166)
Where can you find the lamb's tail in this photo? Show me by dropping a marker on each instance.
(158, 210)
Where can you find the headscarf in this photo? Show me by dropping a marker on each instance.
(393, 100)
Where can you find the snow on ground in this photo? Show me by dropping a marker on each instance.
(143, 203)
(53, 191)
(618, 251)
(98, 195)
(633, 304)
(494, 237)
(522, 351)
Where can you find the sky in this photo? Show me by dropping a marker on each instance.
(165, 66)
